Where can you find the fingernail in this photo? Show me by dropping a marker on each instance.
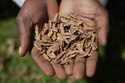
(20, 51)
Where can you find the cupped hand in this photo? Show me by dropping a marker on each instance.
(35, 12)
(92, 9)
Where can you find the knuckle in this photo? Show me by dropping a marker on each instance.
(22, 17)
(19, 20)
(23, 22)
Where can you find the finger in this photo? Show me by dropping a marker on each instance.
(30, 13)
(24, 25)
(102, 23)
(91, 65)
(66, 7)
(68, 68)
(59, 70)
(52, 8)
(79, 67)
(42, 63)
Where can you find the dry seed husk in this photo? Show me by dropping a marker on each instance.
(63, 39)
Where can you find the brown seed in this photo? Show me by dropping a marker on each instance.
(65, 37)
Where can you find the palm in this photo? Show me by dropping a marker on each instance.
(92, 9)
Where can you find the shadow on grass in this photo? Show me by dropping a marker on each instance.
(111, 67)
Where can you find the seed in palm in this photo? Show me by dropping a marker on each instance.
(63, 39)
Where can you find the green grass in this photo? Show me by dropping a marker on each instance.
(7, 29)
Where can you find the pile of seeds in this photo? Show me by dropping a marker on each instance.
(64, 38)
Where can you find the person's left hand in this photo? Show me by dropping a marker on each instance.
(92, 9)
(37, 12)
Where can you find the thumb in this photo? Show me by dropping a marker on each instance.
(24, 25)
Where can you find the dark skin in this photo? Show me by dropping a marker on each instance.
(39, 11)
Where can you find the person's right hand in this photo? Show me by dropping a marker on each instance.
(32, 12)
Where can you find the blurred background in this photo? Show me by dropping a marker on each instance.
(16, 69)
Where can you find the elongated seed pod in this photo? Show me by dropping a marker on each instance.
(63, 39)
